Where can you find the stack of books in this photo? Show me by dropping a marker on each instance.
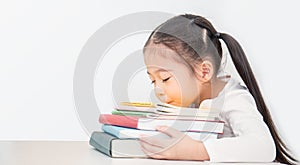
(122, 129)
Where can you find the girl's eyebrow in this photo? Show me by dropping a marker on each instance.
(160, 70)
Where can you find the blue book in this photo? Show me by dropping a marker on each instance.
(124, 132)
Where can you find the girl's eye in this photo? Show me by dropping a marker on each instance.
(164, 80)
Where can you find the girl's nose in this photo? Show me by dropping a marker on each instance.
(160, 94)
(158, 90)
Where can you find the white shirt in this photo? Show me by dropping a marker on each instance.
(246, 137)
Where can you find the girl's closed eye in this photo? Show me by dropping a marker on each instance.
(163, 80)
(166, 79)
(165, 76)
(152, 79)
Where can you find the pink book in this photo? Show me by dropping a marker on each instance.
(150, 123)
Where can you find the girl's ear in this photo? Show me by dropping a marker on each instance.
(204, 71)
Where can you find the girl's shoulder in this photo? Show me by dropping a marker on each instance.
(235, 87)
(236, 94)
(236, 99)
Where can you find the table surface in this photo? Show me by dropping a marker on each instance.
(69, 152)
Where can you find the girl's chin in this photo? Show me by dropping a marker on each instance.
(174, 103)
(180, 105)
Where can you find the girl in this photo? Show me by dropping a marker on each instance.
(183, 58)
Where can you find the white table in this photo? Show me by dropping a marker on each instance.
(69, 152)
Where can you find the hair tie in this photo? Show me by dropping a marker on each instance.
(217, 35)
(192, 21)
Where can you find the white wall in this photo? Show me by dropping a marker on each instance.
(41, 40)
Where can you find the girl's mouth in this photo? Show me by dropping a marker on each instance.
(169, 102)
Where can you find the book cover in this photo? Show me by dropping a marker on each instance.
(130, 113)
(116, 148)
(123, 132)
(150, 124)
(179, 117)
(167, 109)
(136, 106)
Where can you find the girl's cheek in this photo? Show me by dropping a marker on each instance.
(173, 92)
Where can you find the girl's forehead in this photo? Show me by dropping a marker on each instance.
(162, 58)
(159, 50)
(158, 69)
(159, 53)
(161, 63)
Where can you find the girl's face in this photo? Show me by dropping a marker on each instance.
(174, 82)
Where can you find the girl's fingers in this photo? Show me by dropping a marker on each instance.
(174, 137)
(158, 142)
(151, 155)
(169, 131)
(151, 150)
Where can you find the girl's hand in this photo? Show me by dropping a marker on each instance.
(179, 146)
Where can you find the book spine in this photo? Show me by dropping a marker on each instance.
(113, 130)
(129, 113)
(150, 124)
(125, 121)
(132, 108)
(116, 148)
(102, 142)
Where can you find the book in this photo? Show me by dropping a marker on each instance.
(115, 147)
(123, 133)
(150, 124)
(130, 113)
(167, 109)
(136, 106)
(178, 117)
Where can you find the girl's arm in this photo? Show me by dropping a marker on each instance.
(179, 146)
(250, 140)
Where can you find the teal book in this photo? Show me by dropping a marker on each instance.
(130, 113)
(115, 147)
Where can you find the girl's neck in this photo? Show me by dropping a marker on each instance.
(212, 89)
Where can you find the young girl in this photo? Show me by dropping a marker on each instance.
(183, 58)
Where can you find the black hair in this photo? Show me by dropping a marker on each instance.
(194, 38)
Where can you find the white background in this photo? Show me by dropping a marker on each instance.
(41, 40)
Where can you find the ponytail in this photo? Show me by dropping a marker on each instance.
(242, 66)
(170, 34)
